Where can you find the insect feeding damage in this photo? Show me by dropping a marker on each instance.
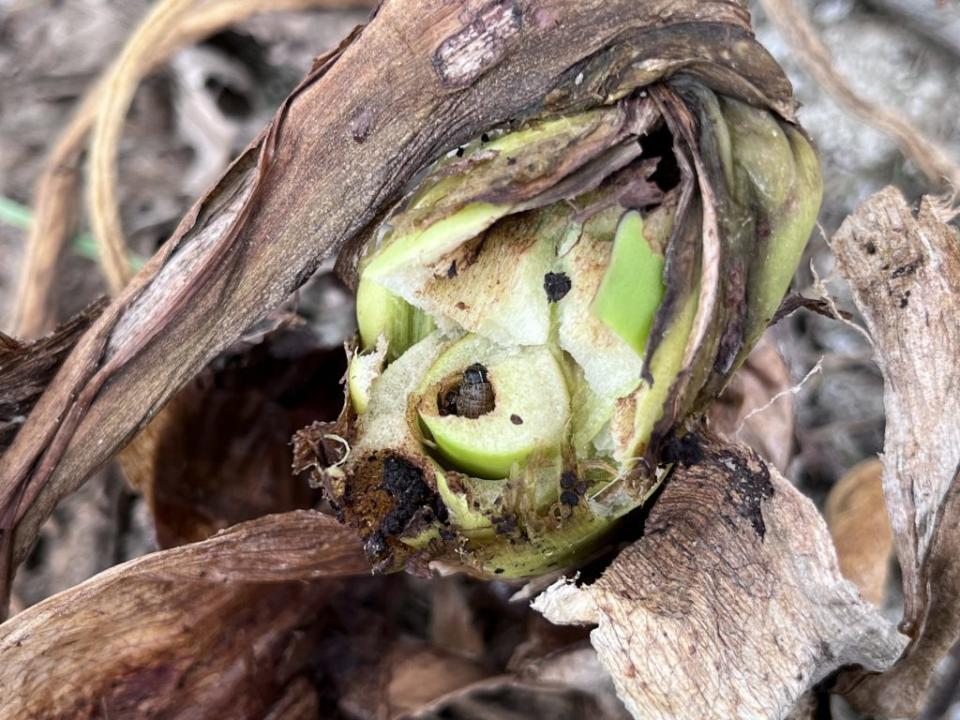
(471, 397)
(556, 285)
(405, 485)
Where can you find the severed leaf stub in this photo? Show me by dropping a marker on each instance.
(544, 308)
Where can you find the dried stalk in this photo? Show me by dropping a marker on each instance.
(933, 160)
(155, 630)
(904, 268)
(55, 195)
(118, 88)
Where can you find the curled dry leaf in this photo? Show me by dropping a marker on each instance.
(579, 667)
(419, 674)
(732, 604)
(857, 518)
(904, 267)
(507, 698)
(756, 408)
(219, 452)
(338, 154)
(26, 368)
(209, 625)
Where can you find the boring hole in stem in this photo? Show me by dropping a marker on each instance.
(658, 143)
(468, 395)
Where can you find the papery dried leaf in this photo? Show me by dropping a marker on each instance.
(219, 452)
(453, 625)
(569, 683)
(732, 604)
(26, 368)
(340, 151)
(506, 698)
(209, 625)
(756, 408)
(858, 522)
(579, 667)
(418, 675)
(904, 267)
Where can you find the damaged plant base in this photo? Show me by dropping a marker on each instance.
(543, 310)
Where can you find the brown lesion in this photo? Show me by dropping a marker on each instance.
(480, 44)
(458, 260)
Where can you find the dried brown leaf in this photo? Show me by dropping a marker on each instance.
(857, 518)
(756, 408)
(340, 150)
(419, 674)
(209, 625)
(570, 683)
(219, 452)
(732, 604)
(506, 698)
(904, 268)
(26, 368)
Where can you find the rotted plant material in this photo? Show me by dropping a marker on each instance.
(543, 309)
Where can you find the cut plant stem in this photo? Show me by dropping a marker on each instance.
(538, 316)
(632, 287)
(525, 382)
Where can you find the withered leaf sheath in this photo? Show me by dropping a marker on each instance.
(551, 300)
